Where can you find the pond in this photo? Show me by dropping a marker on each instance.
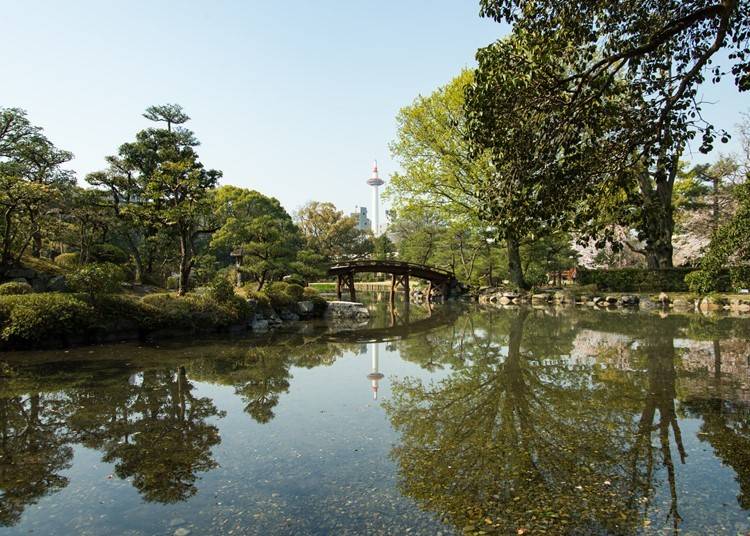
(453, 420)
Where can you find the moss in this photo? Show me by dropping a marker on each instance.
(14, 288)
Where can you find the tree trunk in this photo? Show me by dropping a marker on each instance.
(137, 259)
(36, 248)
(7, 237)
(515, 269)
(186, 264)
(658, 225)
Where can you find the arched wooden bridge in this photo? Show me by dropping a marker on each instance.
(400, 273)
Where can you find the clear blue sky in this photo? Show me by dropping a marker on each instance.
(294, 99)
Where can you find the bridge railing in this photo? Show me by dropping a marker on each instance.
(390, 263)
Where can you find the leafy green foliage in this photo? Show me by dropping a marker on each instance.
(730, 244)
(651, 57)
(221, 290)
(330, 234)
(96, 279)
(109, 253)
(68, 260)
(259, 228)
(33, 318)
(636, 279)
(14, 288)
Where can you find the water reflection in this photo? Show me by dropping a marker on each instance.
(34, 450)
(534, 433)
(537, 421)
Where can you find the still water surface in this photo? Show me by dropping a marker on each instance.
(457, 420)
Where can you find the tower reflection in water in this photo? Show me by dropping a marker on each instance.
(375, 375)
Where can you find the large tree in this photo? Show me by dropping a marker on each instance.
(664, 49)
(442, 190)
(328, 232)
(261, 229)
(31, 180)
(158, 182)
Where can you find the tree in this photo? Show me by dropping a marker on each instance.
(664, 50)
(729, 244)
(260, 228)
(443, 182)
(548, 171)
(172, 187)
(331, 234)
(30, 184)
(171, 114)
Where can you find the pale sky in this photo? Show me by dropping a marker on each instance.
(294, 99)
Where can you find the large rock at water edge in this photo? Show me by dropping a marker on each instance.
(346, 311)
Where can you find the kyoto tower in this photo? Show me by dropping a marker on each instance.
(375, 181)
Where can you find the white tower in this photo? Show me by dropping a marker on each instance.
(375, 181)
(375, 376)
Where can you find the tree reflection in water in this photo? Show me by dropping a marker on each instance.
(521, 438)
(153, 429)
(34, 449)
(521, 435)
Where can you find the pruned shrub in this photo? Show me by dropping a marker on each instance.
(196, 312)
(259, 297)
(68, 260)
(295, 279)
(15, 287)
(739, 276)
(635, 279)
(33, 318)
(221, 289)
(310, 293)
(96, 280)
(295, 291)
(278, 295)
(109, 253)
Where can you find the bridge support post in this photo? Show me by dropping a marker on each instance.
(429, 291)
(350, 284)
(405, 283)
(338, 287)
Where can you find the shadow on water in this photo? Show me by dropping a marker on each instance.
(567, 422)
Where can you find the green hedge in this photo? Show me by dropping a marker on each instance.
(51, 318)
(739, 277)
(635, 279)
(29, 319)
(14, 288)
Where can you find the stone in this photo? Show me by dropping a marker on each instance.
(682, 303)
(346, 310)
(20, 280)
(612, 300)
(305, 307)
(259, 324)
(288, 316)
(629, 299)
(663, 298)
(57, 284)
(505, 300)
(25, 273)
(596, 299)
(540, 297)
(182, 531)
(511, 295)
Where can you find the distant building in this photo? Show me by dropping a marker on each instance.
(363, 222)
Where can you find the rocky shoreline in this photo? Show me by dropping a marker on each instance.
(679, 302)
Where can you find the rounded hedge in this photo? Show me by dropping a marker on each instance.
(14, 288)
(68, 260)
